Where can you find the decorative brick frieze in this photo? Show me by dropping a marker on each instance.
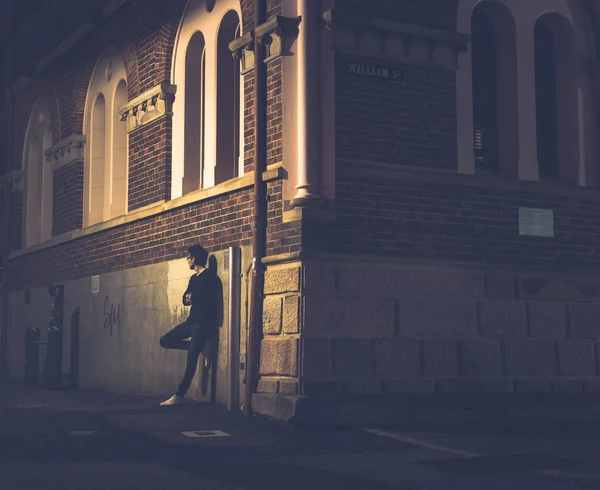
(149, 106)
(67, 151)
(394, 41)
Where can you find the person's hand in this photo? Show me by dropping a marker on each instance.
(187, 301)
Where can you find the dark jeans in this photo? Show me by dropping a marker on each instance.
(175, 339)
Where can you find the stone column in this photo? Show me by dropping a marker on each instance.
(528, 162)
(309, 168)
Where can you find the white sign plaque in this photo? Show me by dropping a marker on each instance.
(95, 284)
(536, 222)
(205, 433)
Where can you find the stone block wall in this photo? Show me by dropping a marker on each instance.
(279, 350)
(389, 328)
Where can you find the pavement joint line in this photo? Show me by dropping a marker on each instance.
(450, 450)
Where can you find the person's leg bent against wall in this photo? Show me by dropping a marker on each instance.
(174, 339)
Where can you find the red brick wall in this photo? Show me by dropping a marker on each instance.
(150, 163)
(67, 205)
(249, 122)
(409, 122)
(281, 237)
(432, 13)
(15, 223)
(458, 218)
(216, 223)
(274, 115)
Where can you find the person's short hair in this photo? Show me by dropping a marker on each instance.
(199, 253)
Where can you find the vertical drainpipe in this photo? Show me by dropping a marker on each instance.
(260, 219)
(5, 247)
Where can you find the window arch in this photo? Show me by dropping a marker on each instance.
(106, 167)
(556, 74)
(494, 88)
(195, 91)
(38, 198)
(207, 147)
(553, 122)
(228, 101)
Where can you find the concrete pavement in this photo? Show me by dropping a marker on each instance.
(84, 439)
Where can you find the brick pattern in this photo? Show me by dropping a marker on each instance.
(448, 218)
(274, 114)
(281, 237)
(437, 13)
(150, 163)
(67, 204)
(249, 80)
(443, 342)
(15, 222)
(217, 223)
(412, 122)
(247, 7)
(274, 7)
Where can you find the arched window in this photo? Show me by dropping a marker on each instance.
(195, 72)
(494, 78)
(207, 109)
(119, 154)
(105, 177)
(98, 160)
(38, 199)
(228, 101)
(538, 119)
(556, 98)
(485, 89)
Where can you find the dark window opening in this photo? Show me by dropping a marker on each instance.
(485, 90)
(545, 100)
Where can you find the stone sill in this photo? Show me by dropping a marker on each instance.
(274, 172)
(483, 178)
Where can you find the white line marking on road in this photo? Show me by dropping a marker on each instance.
(459, 452)
(205, 433)
(425, 444)
(570, 476)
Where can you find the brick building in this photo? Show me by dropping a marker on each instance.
(430, 170)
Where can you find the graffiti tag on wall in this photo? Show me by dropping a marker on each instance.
(112, 315)
(179, 314)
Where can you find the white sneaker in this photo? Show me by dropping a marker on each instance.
(174, 400)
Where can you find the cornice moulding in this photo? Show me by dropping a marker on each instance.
(243, 49)
(278, 35)
(394, 41)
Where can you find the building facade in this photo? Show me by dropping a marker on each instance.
(431, 183)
